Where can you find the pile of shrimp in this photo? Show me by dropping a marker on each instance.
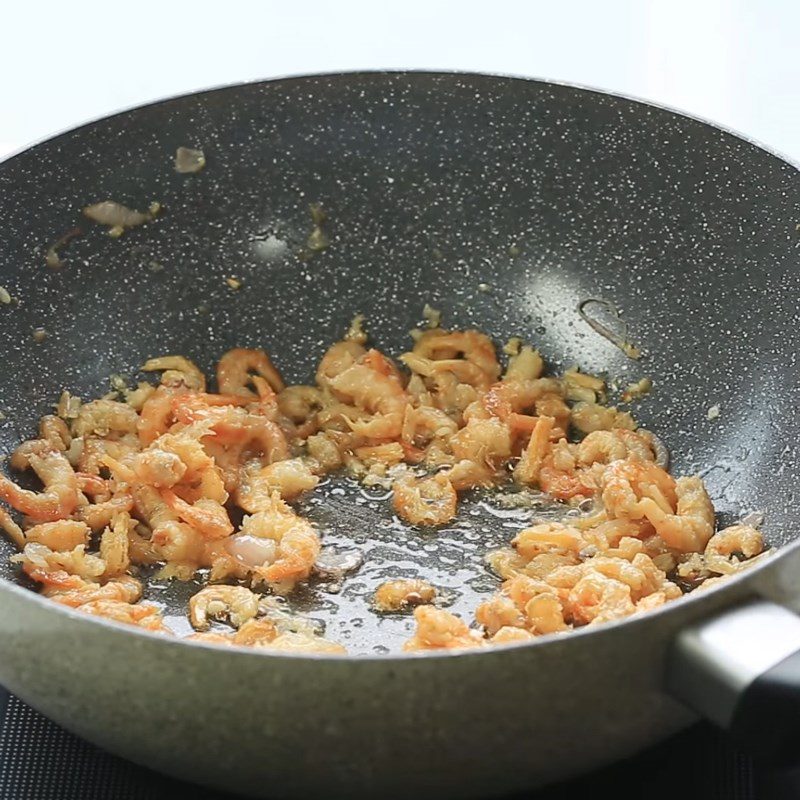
(181, 482)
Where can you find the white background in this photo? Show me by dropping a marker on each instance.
(732, 61)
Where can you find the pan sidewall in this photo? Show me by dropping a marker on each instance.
(464, 726)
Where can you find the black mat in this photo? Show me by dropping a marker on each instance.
(40, 761)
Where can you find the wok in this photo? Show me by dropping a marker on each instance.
(435, 184)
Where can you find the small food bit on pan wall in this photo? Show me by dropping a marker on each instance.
(119, 218)
(5, 297)
(432, 316)
(356, 332)
(318, 239)
(619, 338)
(51, 256)
(189, 483)
(188, 160)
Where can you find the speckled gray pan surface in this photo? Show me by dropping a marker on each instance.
(500, 201)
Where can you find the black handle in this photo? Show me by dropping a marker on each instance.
(766, 719)
(741, 669)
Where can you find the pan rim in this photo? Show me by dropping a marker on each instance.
(728, 586)
(421, 72)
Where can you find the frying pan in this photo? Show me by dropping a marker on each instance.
(504, 203)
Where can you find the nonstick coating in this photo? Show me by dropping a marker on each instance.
(502, 202)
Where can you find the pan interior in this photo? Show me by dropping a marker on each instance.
(502, 202)
(354, 519)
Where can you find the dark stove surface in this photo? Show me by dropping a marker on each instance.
(40, 761)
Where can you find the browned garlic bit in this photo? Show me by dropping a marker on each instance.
(399, 594)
